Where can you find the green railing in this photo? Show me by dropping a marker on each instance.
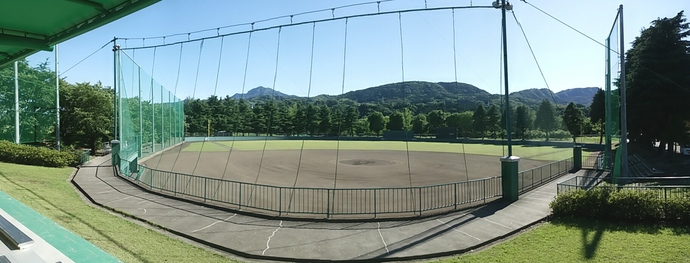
(327, 202)
(594, 162)
(286, 201)
(535, 177)
(663, 187)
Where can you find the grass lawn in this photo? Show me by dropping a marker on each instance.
(547, 153)
(588, 241)
(48, 191)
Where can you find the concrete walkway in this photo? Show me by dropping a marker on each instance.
(271, 239)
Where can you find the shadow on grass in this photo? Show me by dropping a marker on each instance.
(593, 231)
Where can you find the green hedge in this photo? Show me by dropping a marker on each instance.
(610, 203)
(41, 156)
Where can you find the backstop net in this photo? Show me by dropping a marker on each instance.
(35, 103)
(149, 118)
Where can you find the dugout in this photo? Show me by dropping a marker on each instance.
(446, 133)
(398, 135)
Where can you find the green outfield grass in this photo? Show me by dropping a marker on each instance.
(546, 153)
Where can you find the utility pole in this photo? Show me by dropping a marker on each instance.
(57, 99)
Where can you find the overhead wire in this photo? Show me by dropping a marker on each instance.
(291, 16)
(87, 57)
(534, 57)
(309, 22)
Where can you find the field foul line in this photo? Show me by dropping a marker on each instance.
(218, 221)
(273, 234)
(381, 235)
(460, 231)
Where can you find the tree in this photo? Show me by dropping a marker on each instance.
(351, 115)
(436, 118)
(419, 124)
(597, 112)
(479, 120)
(546, 118)
(493, 120)
(462, 121)
(310, 119)
(657, 80)
(324, 119)
(376, 122)
(573, 119)
(523, 122)
(396, 121)
(86, 114)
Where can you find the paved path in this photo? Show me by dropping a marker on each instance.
(271, 239)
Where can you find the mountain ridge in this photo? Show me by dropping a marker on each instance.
(424, 91)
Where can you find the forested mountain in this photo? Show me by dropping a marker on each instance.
(259, 92)
(457, 95)
(581, 96)
(419, 91)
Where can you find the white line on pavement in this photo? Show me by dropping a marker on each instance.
(460, 231)
(214, 223)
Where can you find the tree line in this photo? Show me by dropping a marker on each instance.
(344, 117)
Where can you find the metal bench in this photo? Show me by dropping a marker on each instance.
(12, 236)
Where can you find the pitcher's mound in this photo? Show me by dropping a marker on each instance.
(369, 162)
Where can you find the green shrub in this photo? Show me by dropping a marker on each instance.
(677, 209)
(632, 205)
(40, 156)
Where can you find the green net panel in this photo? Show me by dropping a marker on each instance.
(150, 117)
(612, 98)
(37, 98)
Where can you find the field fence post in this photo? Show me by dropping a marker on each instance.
(484, 191)
(205, 186)
(240, 196)
(375, 201)
(420, 200)
(280, 201)
(328, 203)
(175, 185)
(455, 196)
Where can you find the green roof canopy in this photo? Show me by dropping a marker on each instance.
(29, 26)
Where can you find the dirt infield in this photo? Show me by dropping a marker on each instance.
(319, 168)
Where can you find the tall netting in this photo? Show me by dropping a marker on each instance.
(612, 97)
(351, 114)
(36, 103)
(150, 118)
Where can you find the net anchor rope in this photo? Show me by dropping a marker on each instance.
(270, 117)
(196, 81)
(301, 150)
(534, 57)
(177, 81)
(238, 121)
(342, 113)
(455, 72)
(402, 87)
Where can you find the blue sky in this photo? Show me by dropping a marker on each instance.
(373, 54)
